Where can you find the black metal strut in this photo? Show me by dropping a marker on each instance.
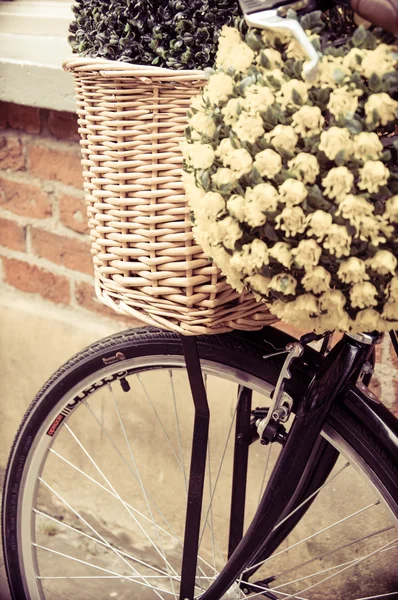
(239, 477)
(197, 469)
(341, 364)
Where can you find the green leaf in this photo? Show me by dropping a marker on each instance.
(264, 61)
(270, 233)
(390, 83)
(312, 20)
(297, 99)
(384, 191)
(254, 41)
(354, 126)
(234, 140)
(246, 81)
(372, 123)
(359, 37)
(386, 157)
(291, 14)
(336, 52)
(340, 158)
(272, 82)
(205, 179)
(316, 200)
(298, 69)
(393, 185)
(317, 44)
(270, 116)
(320, 97)
(255, 177)
(375, 83)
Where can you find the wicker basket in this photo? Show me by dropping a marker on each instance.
(147, 264)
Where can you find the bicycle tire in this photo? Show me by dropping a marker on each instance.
(233, 350)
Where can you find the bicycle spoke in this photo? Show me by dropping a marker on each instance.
(113, 494)
(263, 589)
(169, 567)
(321, 487)
(181, 461)
(323, 555)
(392, 547)
(99, 542)
(352, 564)
(172, 535)
(128, 467)
(138, 478)
(320, 572)
(219, 471)
(267, 459)
(79, 516)
(211, 509)
(378, 595)
(130, 577)
(178, 431)
(354, 514)
(113, 489)
(210, 490)
(83, 562)
(160, 421)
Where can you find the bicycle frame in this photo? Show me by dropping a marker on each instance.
(303, 465)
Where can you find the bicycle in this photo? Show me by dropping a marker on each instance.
(356, 425)
(99, 493)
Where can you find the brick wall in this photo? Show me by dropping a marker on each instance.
(44, 248)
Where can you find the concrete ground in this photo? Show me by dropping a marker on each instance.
(35, 340)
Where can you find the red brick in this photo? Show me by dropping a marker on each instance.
(24, 199)
(63, 125)
(73, 213)
(34, 280)
(25, 118)
(3, 115)
(394, 359)
(12, 235)
(71, 253)
(56, 164)
(86, 297)
(11, 154)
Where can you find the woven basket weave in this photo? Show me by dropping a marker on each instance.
(146, 262)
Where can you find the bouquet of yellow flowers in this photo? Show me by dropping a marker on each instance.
(293, 184)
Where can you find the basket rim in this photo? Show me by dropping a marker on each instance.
(88, 63)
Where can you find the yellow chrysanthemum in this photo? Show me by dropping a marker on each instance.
(291, 188)
(291, 221)
(372, 176)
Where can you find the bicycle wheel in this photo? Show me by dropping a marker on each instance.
(95, 489)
